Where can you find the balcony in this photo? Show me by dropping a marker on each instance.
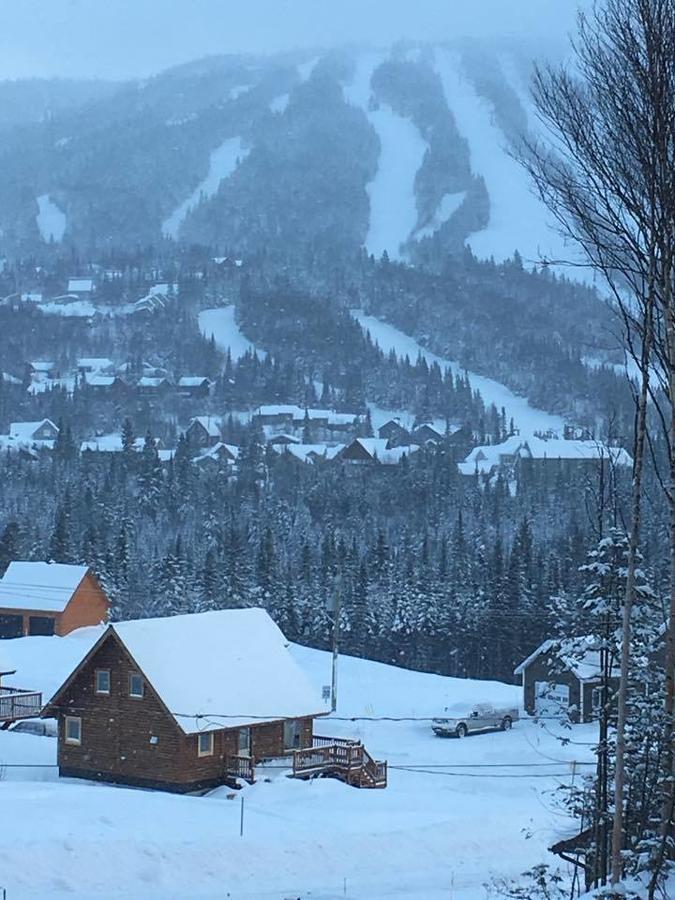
(17, 703)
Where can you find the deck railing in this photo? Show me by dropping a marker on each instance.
(17, 703)
(240, 767)
(347, 760)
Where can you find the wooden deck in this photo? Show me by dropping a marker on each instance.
(240, 767)
(339, 758)
(16, 704)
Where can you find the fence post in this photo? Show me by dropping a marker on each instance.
(241, 820)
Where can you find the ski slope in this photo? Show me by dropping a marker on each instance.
(393, 205)
(518, 219)
(51, 221)
(224, 160)
(455, 813)
(222, 324)
(526, 417)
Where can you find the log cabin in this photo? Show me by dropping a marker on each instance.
(183, 703)
(40, 598)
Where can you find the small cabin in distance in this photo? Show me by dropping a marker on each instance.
(40, 598)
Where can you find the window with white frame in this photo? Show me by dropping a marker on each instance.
(136, 686)
(102, 681)
(73, 730)
(205, 744)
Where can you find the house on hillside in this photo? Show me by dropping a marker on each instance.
(203, 431)
(558, 684)
(132, 712)
(535, 453)
(101, 385)
(194, 386)
(49, 598)
(40, 369)
(218, 453)
(427, 434)
(15, 702)
(82, 288)
(99, 364)
(32, 436)
(369, 451)
(394, 432)
(153, 386)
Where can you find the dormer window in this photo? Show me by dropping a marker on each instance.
(103, 681)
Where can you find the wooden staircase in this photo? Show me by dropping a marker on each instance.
(349, 761)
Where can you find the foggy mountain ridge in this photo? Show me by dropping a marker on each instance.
(403, 150)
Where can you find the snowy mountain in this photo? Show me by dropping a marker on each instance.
(399, 150)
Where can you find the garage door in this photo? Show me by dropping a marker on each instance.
(551, 700)
(11, 626)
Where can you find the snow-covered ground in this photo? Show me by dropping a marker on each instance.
(51, 221)
(455, 813)
(448, 206)
(280, 103)
(223, 162)
(221, 323)
(526, 417)
(518, 220)
(393, 206)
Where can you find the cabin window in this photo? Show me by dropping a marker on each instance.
(103, 681)
(136, 686)
(205, 744)
(291, 734)
(596, 699)
(73, 733)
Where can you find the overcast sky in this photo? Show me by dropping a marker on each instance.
(127, 38)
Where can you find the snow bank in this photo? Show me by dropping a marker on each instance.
(526, 417)
(223, 162)
(221, 323)
(393, 206)
(51, 220)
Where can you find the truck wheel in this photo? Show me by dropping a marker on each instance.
(461, 730)
(506, 723)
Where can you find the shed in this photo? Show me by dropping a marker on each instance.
(49, 598)
(559, 684)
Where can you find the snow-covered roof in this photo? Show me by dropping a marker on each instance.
(297, 413)
(193, 380)
(151, 382)
(485, 458)
(109, 443)
(210, 424)
(42, 365)
(310, 452)
(39, 585)
(94, 380)
(9, 379)
(377, 449)
(215, 451)
(582, 659)
(80, 285)
(25, 431)
(234, 668)
(95, 363)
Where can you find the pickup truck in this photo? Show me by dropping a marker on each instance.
(481, 717)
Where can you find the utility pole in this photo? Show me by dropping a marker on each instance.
(336, 638)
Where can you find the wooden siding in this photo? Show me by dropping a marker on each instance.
(543, 668)
(117, 733)
(89, 605)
